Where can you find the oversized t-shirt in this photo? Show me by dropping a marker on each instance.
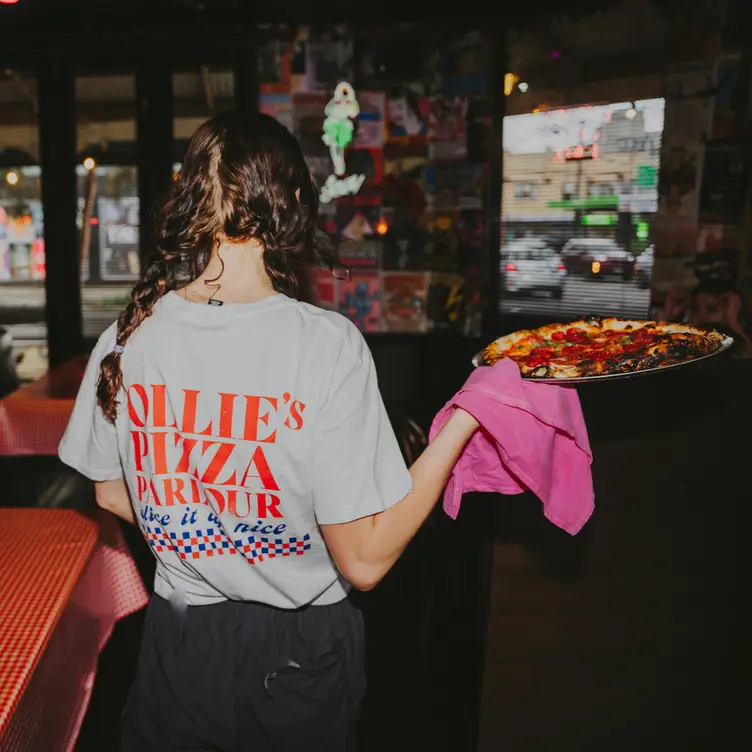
(240, 429)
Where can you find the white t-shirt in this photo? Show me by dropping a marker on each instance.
(241, 428)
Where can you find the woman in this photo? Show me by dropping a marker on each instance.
(243, 431)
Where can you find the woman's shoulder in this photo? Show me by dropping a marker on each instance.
(330, 324)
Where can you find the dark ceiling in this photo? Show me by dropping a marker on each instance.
(66, 16)
(98, 31)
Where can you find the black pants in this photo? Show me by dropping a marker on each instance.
(242, 676)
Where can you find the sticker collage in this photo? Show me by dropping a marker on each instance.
(398, 161)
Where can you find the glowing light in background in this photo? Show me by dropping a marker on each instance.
(12, 178)
(8, 2)
(382, 227)
(89, 163)
(522, 86)
(510, 80)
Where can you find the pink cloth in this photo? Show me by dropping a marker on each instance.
(533, 437)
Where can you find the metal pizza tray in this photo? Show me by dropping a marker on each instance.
(478, 362)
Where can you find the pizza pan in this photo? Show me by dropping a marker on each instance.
(725, 345)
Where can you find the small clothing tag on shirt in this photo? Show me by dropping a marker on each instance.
(216, 302)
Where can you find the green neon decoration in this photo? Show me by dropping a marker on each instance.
(338, 129)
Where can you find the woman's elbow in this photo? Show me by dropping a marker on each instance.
(103, 497)
(363, 578)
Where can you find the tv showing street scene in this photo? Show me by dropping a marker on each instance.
(580, 193)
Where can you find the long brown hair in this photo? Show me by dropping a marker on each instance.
(243, 177)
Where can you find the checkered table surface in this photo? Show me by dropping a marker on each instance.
(50, 558)
(43, 553)
(33, 419)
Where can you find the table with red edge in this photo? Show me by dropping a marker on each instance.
(66, 578)
(33, 418)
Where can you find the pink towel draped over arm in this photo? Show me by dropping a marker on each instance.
(532, 436)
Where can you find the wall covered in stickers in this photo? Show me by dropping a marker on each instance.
(703, 264)
(391, 124)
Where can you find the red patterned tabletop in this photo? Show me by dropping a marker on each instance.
(43, 553)
(33, 419)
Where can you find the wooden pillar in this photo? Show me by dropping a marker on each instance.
(56, 89)
(154, 127)
(245, 67)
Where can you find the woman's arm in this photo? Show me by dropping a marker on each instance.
(113, 496)
(366, 549)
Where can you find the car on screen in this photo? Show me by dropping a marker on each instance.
(529, 266)
(644, 267)
(597, 258)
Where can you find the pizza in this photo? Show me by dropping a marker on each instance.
(601, 347)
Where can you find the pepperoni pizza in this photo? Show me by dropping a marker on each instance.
(601, 347)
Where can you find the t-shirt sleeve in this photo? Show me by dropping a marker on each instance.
(89, 443)
(358, 466)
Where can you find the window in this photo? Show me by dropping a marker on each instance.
(22, 259)
(525, 191)
(601, 189)
(107, 194)
(568, 191)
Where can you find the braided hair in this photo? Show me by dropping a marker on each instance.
(243, 177)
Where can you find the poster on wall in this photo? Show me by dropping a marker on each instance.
(678, 187)
(447, 119)
(404, 183)
(444, 305)
(370, 130)
(688, 122)
(405, 246)
(407, 114)
(443, 247)
(360, 299)
(404, 302)
(355, 223)
(320, 288)
(447, 151)
(471, 229)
